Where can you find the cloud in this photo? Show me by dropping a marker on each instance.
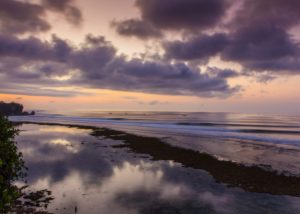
(137, 28)
(279, 13)
(200, 47)
(256, 48)
(222, 73)
(175, 15)
(36, 90)
(72, 13)
(260, 43)
(33, 48)
(178, 14)
(257, 44)
(253, 33)
(157, 77)
(265, 78)
(18, 17)
(95, 64)
(255, 37)
(129, 98)
(25, 60)
(260, 36)
(156, 102)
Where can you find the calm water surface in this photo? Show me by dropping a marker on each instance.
(87, 173)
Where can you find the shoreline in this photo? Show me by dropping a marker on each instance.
(252, 178)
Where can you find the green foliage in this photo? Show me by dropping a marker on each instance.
(11, 165)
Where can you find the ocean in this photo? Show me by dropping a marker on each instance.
(272, 140)
(202, 162)
(265, 128)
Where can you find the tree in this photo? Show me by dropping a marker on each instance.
(11, 165)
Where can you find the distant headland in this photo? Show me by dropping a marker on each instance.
(13, 109)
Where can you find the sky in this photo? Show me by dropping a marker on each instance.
(151, 55)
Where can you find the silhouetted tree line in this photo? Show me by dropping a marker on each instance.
(9, 109)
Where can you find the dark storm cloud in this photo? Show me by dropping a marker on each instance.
(98, 66)
(17, 17)
(137, 28)
(179, 14)
(200, 47)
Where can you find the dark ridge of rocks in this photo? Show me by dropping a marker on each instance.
(249, 178)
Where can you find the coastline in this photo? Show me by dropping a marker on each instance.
(254, 178)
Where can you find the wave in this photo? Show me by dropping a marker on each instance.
(264, 131)
(289, 137)
(239, 125)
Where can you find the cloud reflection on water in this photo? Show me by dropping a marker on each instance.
(98, 178)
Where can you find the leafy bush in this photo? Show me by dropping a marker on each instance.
(11, 165)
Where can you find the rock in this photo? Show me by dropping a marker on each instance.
(9, 109)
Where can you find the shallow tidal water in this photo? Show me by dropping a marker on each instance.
(87, 174)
